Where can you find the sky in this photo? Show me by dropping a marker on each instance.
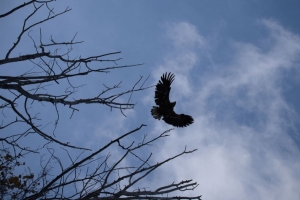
(237, 72)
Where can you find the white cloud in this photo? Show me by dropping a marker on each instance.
(241, 128)
(184, 35)
(186, 41)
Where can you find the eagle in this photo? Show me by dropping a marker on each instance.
(164, 107)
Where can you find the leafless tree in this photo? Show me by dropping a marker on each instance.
(46, 79)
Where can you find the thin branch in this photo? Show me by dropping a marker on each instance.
(17, 8)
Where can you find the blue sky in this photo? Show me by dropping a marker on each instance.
(237, 73)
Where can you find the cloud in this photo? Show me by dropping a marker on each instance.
(184, 35)
(185, 41)
(242, 121)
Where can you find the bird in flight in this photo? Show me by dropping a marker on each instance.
(164, 107)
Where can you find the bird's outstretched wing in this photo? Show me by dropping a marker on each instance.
(181, 120)
(165, 108)
(163, 89)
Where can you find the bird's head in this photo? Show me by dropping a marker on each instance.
(173, 104)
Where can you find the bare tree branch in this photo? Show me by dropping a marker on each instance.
(35, 92)
(16, 8)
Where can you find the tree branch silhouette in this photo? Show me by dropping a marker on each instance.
(37, 88)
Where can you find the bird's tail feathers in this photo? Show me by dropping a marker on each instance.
(155, 111)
